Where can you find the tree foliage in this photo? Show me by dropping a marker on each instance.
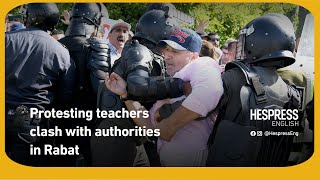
(225, 18)
(228, 18)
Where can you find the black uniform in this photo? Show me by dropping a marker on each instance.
(238, 139)
(85, 96)
(85, 20)
(39, 70)
(40, 74)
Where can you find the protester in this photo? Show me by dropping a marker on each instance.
(118, 36)
(66, 17)
(183, 139)
(209, 50)
(203, 35)
(214, 39)
(229, 52)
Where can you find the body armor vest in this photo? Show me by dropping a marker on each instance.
(241, 141)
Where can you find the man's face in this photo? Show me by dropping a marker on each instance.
(224, 57)
(215, 40)
(176, 60)
(232, 51)
(118, 37)
(206, 38)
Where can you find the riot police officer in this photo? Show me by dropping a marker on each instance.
(87, 51)
(143, 69)
(39, 74)
(86, 19)
(265, 44)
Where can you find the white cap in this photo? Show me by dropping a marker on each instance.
(120, 22)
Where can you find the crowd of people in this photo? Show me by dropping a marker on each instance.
(198, 95)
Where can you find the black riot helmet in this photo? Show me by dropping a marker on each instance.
(92, 13)
(267, 40)
(42, 15)
(155, 25)
(160, 6)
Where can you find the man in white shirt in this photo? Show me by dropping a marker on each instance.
(118, 36)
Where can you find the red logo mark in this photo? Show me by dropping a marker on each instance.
(107, 26)
(180, 35)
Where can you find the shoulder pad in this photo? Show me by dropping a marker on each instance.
(138, 56)
(253, 79)
(99, 60)
(98, 45)
(98, 49)
(246, 70)
(136, 53)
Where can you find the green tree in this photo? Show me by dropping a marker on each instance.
(225, 18)
(129, 12)
(228, 18)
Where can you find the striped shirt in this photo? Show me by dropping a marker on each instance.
(113, 53)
